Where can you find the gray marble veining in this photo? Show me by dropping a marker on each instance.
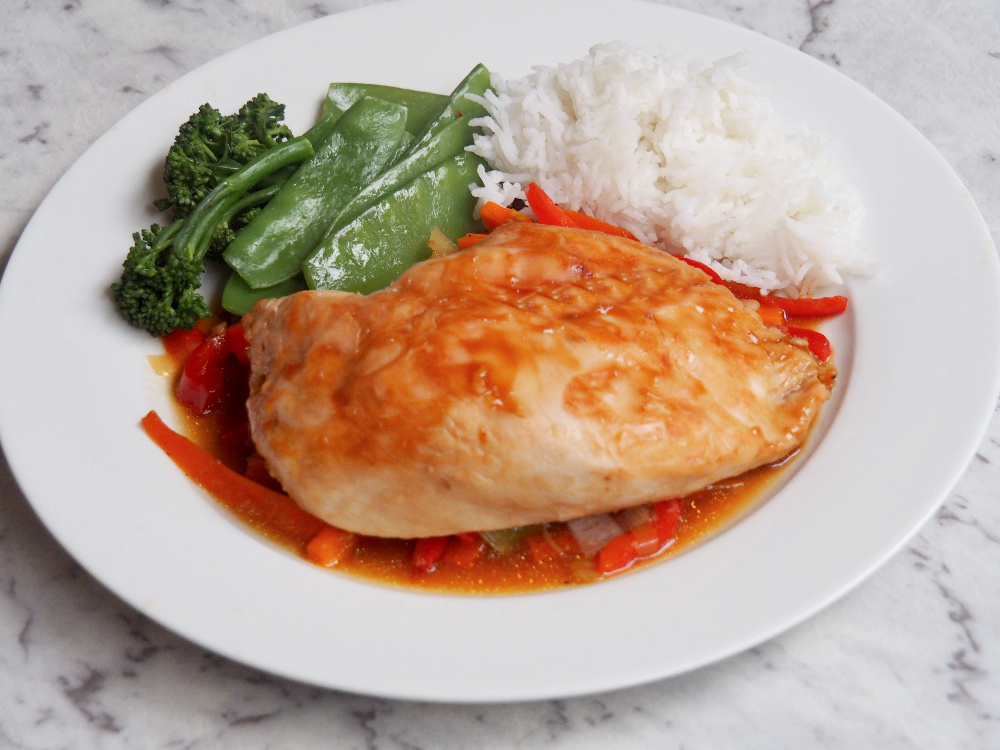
(908, 660)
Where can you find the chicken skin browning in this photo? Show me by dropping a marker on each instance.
(541, 375)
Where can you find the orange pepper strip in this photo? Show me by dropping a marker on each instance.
(583, 221)
(494, 215)
(330, 546)
(545, 209)
(270, 511)
(772, 316)
(468, 240)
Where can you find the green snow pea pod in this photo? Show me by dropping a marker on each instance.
(271, 248)
(238, 297)
(448, 142)
(372, 251)
(476, 82)
(421, 106)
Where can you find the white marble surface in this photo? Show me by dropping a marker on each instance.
(911, 659)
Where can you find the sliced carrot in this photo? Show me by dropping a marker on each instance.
(494, 215)
(772, 316)
(330, 546)
(545, 209)
(583, 221)
(269, 511)
(470, 239)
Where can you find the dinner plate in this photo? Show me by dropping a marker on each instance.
(918, 356)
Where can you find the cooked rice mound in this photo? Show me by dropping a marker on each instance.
(687, 156)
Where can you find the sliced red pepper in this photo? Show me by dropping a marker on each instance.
(618, 554)
(666, 516)
(236, 338)
(807, 307)
(819, 344)
(202, 382)
(701, 267)
(180, 343)
(427, 553)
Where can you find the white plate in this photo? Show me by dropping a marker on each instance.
(919, 360)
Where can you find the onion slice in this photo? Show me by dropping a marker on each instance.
(593, 532)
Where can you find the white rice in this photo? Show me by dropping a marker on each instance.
(685, 155)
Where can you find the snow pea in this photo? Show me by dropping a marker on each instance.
(421, 106)
(372, 251)
(458, 105)
(449, 142)
(361, 143)
(238, 297)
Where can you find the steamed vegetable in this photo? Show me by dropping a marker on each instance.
(358, 147)
(211, 146)
(161, 275)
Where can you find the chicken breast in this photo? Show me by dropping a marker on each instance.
(541, 375)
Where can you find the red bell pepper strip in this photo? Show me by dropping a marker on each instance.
(202, 381)
(819, 344)
(666, 517)
(236, 338)
(269, 511)
(427, 553)
(807, 307)
(180, 343)
(618, 554)
(702, 267)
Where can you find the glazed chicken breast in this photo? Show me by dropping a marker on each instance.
(541, 375)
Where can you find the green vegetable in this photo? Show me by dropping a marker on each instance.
(458, 105)
(373, 250)
(449, 142)
(421, 106)
(360, 145)
(238, 297)
(158, 290)
(211, 146)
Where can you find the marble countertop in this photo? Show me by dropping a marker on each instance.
(910, 659)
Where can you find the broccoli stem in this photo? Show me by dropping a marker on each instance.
(192, 240)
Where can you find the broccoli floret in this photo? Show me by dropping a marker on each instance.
(158, 290)
(211, 146)
(161, 275)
